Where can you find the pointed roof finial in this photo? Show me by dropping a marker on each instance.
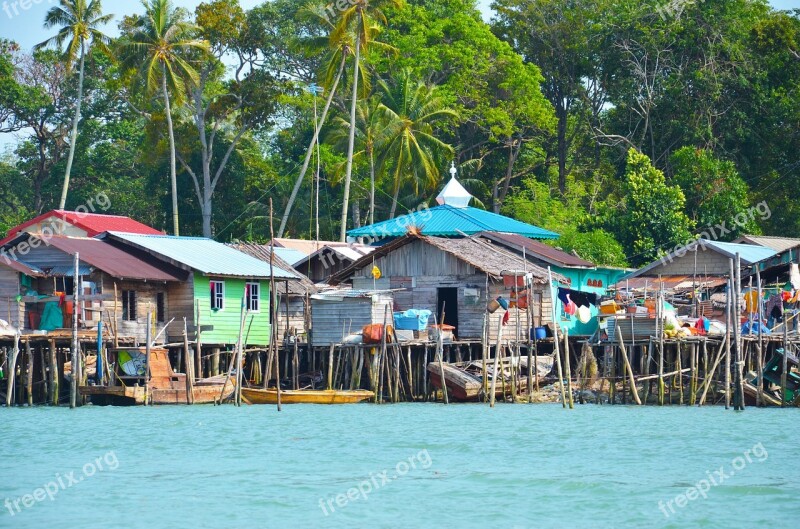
(454, 193)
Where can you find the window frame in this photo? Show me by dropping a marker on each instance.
(161, 307)
(127, 297)
(217, 294)
(249, 296)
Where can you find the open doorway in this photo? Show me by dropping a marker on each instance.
(447, 300)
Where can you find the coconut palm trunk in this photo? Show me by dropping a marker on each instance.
(172, 161)
(74, 136)
(310, 150)
(351, 144)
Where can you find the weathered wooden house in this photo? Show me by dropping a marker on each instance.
(125, 285)
(456, 276)
(293, 310)
(338, 313)
(222, 283)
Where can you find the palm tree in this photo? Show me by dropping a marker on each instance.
(364, 15)
(78, 23)
(339, 44)
(412, 109)
(157, 48)
(370, 126)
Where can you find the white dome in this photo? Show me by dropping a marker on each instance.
(454, 193)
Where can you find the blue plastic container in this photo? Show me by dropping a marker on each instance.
(539, 332)
(412, 320)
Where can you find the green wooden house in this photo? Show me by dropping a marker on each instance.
(222, 283)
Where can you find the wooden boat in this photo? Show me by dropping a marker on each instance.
(165, 386)
(464, 380)
(305, 396)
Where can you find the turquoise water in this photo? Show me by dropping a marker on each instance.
(512, 467)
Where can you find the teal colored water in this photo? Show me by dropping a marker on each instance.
(456, 466)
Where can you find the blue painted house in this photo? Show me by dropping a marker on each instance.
(581, 275)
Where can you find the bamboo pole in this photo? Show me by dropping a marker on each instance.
(73, 387)
(760, 349)
(693, 369)
(567, 362)
(728, 333)
(738, 397)
(273, 310)
(440, 355)
(29, 374)
(493, 389)
(785, 363)
(710, 375)
(45, 381)
(628, 367)
(485, 353)
(555, 339)
(147, 360)
(660, 332)
(189, 363)
(53, 375)
(12, 371)
(239, 353)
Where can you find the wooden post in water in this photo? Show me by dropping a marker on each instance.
(198, 361)
(493, 389)
(29, 373)
(273, 310)
(53, 376)
(738, 396)
(785, 360)
(660, 332)
(147, 360)
(73, 387)
(555, 339)
(760, 349)
(440, 354)
(189, 362)
(237, 400)
(12, 372)
(728, 334)
(628, 367)
(693, 379)
(569, 369)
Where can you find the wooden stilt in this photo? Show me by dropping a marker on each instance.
(189, 361)
(496, 368)
(567, 361)
(728, 337)
(760, 348)
(628, 367)
(738, 397)
(73, 388)
(53, 375)
(29, 373)
(12, 373)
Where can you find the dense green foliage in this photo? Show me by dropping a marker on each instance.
(626, 127)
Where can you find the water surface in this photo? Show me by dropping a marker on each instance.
(406, 465)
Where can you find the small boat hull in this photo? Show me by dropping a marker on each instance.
(206, 391)
(270, 396)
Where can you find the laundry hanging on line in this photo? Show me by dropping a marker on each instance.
(581, 299)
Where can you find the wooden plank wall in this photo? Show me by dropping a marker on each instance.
(226, 321)
(11, 310)
(330, 319)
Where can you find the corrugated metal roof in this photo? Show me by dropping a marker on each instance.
(92, 223)
(115, 261)
(538, 249)
(670, 283)
(299, 287)
(748, 253)
(289, 255)
(449, 221)
(203, 255)
(19, 266)
(779, 244)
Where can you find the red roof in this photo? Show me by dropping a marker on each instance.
(116, 262)
(92, 223)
